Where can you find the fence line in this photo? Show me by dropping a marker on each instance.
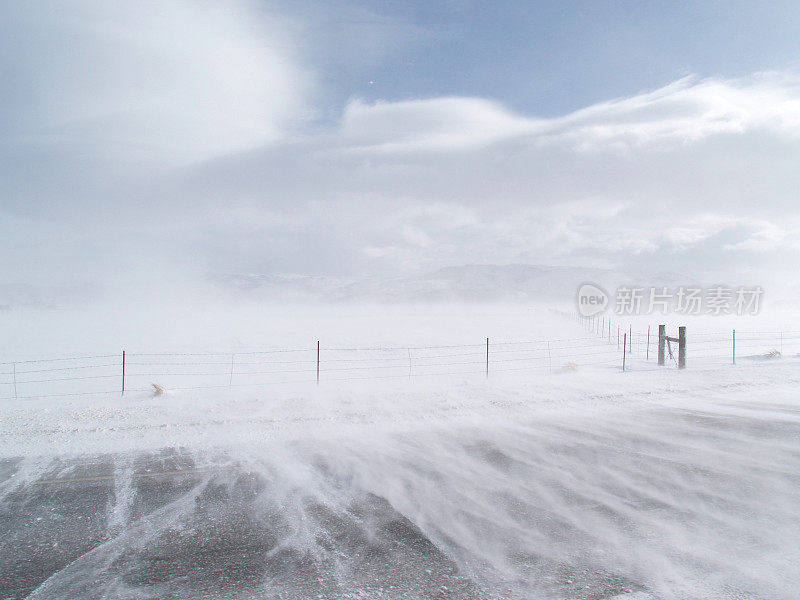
(71, 376)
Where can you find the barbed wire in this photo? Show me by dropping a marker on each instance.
(416, 361)
(40, 360)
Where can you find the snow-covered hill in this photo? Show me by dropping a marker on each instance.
(470, 283)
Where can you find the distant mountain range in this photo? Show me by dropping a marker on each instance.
(470, 283)
(15, 295)
(466, 283)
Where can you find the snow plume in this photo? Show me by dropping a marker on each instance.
(676, 486)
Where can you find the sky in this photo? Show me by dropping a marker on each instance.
(178, 140)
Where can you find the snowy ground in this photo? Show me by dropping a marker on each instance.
(581, 484)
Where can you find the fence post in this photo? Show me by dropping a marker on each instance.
(14, 364)
(662, 342)
(609, 330)
(123, 373)
(630, 338)
(647, 350)
(487, 358)
(682, 347)
(624, 340)
(317, 362)
(733, 346)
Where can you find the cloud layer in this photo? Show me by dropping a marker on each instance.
(698, 175)
(180, 137)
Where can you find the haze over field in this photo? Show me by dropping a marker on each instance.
(567, 480)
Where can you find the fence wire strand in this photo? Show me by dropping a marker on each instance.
(710, 349)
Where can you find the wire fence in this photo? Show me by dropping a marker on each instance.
(600, 347)
(705, 348)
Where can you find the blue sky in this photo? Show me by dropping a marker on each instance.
(372, 138)
(542, 58)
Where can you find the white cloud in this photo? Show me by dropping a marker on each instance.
(682, 112)
(692, 177)
(178, 80)
(766, 236)
(679, 177)
(438, 123)
(689, 110)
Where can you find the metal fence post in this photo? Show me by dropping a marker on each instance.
(624, 346)
(123, 372)
(682, 347)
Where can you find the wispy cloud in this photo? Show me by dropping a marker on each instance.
(170, 81)
(685, 111)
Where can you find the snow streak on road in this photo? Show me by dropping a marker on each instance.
(588, 485)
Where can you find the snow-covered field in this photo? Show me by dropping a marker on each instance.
(555, 480)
